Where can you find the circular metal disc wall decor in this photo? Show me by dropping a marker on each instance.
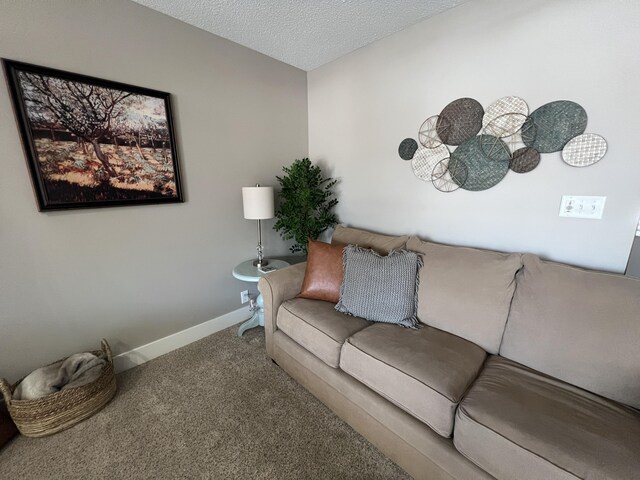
(428, 134)
(407, 148)
(482, 173)
(514, 142)
(442, 177)
(425, 159)
(505, 106)
(524, 160)
(459, 121)
(492, 142)
(494, 148)
(505, 125)
(584, 150)
(555, 124)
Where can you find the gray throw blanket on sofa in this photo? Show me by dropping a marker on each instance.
(77, 370)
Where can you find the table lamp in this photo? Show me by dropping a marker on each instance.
(258, 205)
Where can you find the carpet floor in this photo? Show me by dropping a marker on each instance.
(217, 408)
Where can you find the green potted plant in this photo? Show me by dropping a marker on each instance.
(306, 203)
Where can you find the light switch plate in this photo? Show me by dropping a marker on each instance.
(582, 207)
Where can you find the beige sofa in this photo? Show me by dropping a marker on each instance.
(523, 369)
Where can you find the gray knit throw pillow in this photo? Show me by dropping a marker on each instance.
(380, 288)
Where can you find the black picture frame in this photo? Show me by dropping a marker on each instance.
(91, 142)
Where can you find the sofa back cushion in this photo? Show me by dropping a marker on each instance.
(466, 291)
(580, 326)
(382, 244)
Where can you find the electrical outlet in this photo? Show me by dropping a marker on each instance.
(244, 296)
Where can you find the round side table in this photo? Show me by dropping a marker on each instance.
(247, 272)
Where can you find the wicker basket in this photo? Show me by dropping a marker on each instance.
(63, 409)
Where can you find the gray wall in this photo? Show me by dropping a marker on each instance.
(136, 274)
(362, 105)
(633, 267)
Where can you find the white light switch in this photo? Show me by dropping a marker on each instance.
(582, 207)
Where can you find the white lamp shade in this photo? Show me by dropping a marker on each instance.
(257, 202)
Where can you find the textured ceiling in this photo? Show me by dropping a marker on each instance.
(302, 33)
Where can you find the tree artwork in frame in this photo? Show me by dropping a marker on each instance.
(91, 142)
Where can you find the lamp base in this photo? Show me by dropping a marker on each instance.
(260, 263)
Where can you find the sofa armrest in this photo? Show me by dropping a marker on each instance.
(276, 288)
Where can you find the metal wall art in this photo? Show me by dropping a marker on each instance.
(554, 124)
(483, 171)
(407, 148)
(459, 121)
(584, 150)
(466, 147)
(524, 160)
(426, 159)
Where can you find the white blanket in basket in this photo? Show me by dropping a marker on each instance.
(75, 371)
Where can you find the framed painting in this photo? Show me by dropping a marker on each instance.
(92, 142)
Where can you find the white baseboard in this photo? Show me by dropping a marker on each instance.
(144, 353)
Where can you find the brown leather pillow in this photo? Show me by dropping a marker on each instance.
(323, 276)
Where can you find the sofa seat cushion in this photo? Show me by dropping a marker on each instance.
(318, 327)
(424, 371)
(517, 423)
